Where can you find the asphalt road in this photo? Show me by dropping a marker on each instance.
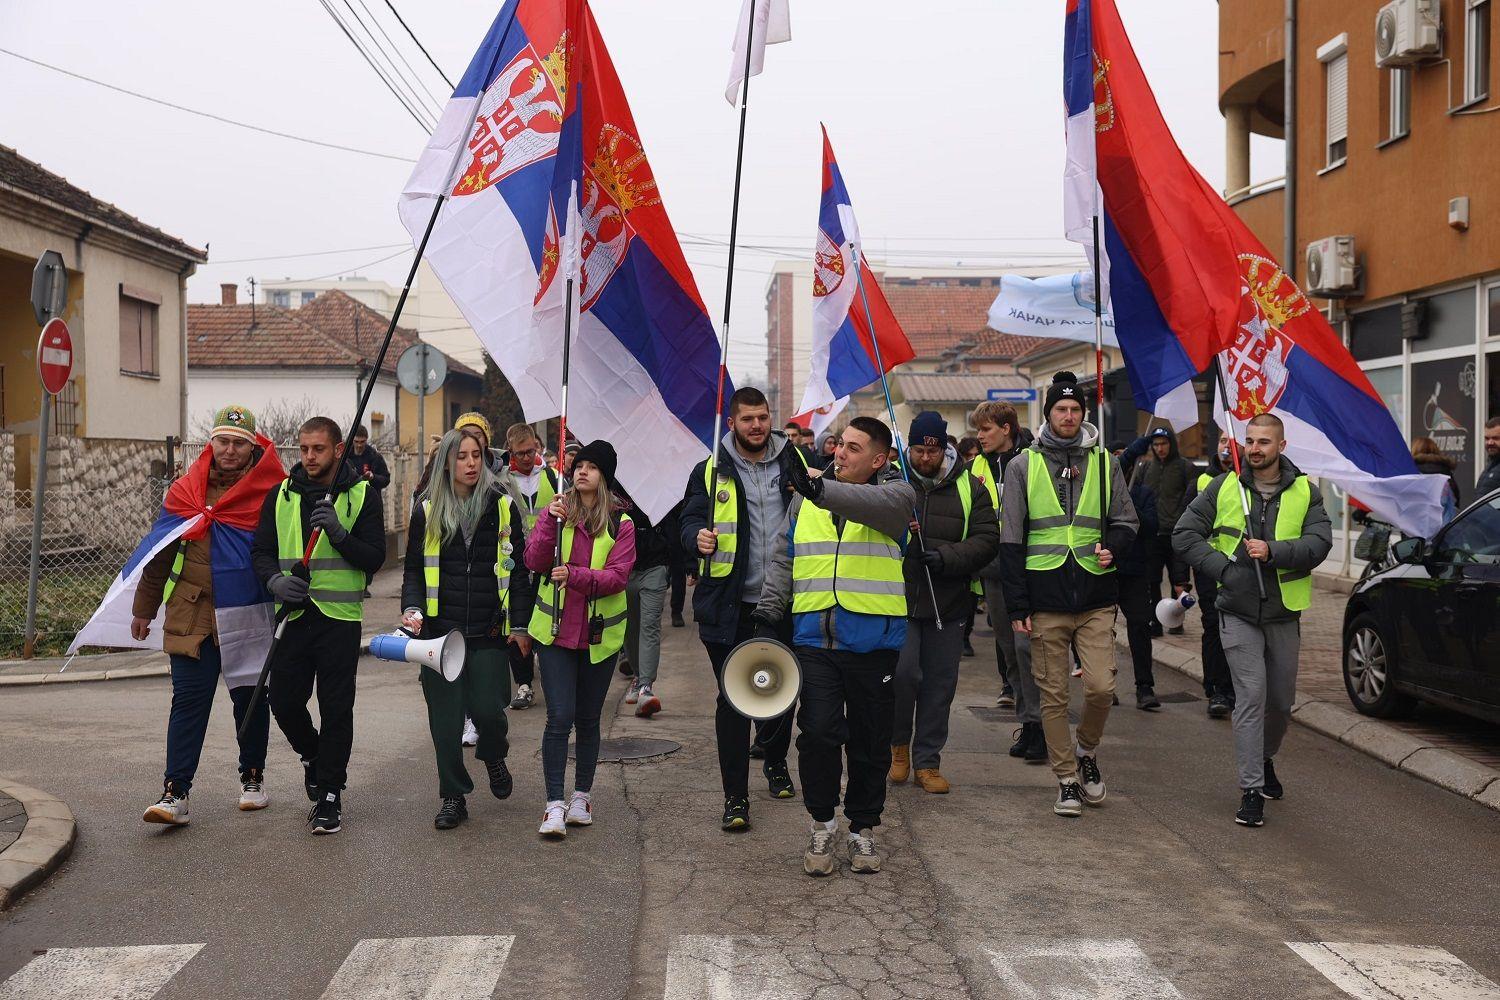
(1381, 882)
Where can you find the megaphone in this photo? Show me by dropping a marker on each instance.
(761, 679)
(1171, 610)
(445, 655)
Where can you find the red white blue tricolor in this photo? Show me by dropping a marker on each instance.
(1187, 281)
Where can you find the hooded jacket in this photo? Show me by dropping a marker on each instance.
(1070, 588)
(1135, 561)
(940, 512)
(1170, 478)
(1239, 594)
(364, 546)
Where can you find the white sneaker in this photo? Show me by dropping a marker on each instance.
(1090, 778)
(471, 735)
(171, 809)
(633, 693)
(523, 697)
(580, 810)
(862, 856)
(553, 824)
(818, 860)
(253, 791)
(650, 703)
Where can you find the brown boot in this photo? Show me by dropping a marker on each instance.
(900, 763)
(932, 781)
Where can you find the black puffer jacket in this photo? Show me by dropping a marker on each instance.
(650, 542)
(468, 598)
(942, 516)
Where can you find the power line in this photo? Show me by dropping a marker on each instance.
(311, 253)
(405, 103)
(392, 72)
(204, 114)
(397, 49)
(420, 45)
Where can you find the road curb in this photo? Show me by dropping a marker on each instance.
(45, 842)
(1402, 751)
(82, 676)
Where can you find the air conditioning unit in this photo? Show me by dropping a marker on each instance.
(1331, 268)
(1407, 31)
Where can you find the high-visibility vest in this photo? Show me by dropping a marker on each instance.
(1229, 531)
(1204, 479)
(858, 569)
(545, 494)
(176, 572)
(1051, 537)
(725, 499)
(432, 545)
(335, 587)
(980, 462)
(610, 608)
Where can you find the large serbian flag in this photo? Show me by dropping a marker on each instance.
(243, 611)
(1188, 283)
(850, 315)
(540, 123)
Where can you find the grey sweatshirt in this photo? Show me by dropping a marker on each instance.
(758, 478)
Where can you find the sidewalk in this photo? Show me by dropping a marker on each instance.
(1446, 748)
(36, 835)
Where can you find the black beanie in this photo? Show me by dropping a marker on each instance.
(1064, 386)
(602, 454)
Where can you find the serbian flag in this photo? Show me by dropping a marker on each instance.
(1188, 283)
(546, 178)
(850, 314)
(243, 611)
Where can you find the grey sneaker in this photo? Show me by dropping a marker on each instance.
(863, 859)
(819, 857)
(1069, 800)
(1091, 779)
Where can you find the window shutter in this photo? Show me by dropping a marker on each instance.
(1338, 98)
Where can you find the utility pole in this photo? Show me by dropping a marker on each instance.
(252, 303)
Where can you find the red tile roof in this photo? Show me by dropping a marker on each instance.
(31, 178)
(223, 337)
(360, 328)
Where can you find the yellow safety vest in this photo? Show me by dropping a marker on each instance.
(977, 585)
(858, 569)
(1203, 480)
(432, 546)
(1229, 531)
(335, 587)
(610, 608)
(545, 494)
(1051, 538)
(726, 516)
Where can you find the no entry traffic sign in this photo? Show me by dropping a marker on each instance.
(54, 356)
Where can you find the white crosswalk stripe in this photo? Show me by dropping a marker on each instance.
(714, 967)
(1080, 969)
(1395, 972)
(422, 968)
(134, 973)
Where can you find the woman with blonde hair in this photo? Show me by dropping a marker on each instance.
(1431, 460)
(461, 574)
(579, 624)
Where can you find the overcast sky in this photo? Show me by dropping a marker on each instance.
(946, 116)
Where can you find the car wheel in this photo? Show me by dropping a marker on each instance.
(1369, 675)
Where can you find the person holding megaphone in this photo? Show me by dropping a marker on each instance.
(584, 548)
(459, 575)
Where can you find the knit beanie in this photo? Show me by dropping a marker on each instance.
(234, 421)
(1064, 386)
(474, 419)
(602, 454)
(928, 428)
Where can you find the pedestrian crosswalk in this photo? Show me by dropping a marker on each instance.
(720, 967)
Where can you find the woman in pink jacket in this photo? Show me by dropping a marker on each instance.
(578, 624)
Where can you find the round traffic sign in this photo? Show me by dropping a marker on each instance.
(54, 356)
(422, 369)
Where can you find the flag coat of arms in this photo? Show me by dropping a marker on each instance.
(850, 313)
(1188, 283)
(244, 616)
(545, 174)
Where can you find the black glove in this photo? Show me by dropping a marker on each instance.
(290, 590)
(809, 486)
(325, 519)
(765, 628)
(933, 560)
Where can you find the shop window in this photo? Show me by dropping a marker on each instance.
(138, 340)
(1443, 407)
(1375, 333)
(1476, 50)
(1448, 320)
(1492, 302)
(1387, 382)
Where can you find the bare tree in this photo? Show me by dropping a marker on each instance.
(278, 419)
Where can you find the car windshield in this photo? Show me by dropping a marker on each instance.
(1474, 537)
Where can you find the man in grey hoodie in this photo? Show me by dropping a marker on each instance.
(1264, 574)
(1059, 578)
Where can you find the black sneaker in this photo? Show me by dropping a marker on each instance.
(1219, 706)
(1036, 750)
(779, 780)
(324, 816)
(500, 779)
(677, 621)
(453, 813)
(310, 779)
(1271, 787)
(736, 814)
(1022, 738)
(757, 752)
(1146, 700)
(968, 648)
(1175, 630)
(1252, 808)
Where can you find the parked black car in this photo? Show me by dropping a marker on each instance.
(1426, 624)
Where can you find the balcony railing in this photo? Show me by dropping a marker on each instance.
(1258, 188)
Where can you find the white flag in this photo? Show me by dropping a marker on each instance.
(773, 23)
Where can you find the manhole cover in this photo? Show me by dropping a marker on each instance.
(631, 748)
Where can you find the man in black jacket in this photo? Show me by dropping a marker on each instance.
(736, 531)
(953, 536)
(324, 598)
(368, 463)
(1169, 476)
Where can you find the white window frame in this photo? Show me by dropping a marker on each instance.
(1477, 44)
(1334, 55)
(1399, 123)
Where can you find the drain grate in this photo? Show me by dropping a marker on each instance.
(631, 748)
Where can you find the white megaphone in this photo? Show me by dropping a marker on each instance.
(1171, 610)
(761, 679)
(445, 655)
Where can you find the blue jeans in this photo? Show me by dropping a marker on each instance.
(575, 690)
(194, 682)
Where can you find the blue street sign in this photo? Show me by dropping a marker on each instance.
(1012, 395)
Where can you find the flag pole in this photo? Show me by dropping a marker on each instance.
(734, 224)
(570, 262)
(890, 408)
(1104, 469)
(364, 401)
(1234, 456)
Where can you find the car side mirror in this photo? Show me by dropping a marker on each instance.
(1409, 550)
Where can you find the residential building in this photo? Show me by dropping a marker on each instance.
(125, 310)
(1398, 159)
(290, 293)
